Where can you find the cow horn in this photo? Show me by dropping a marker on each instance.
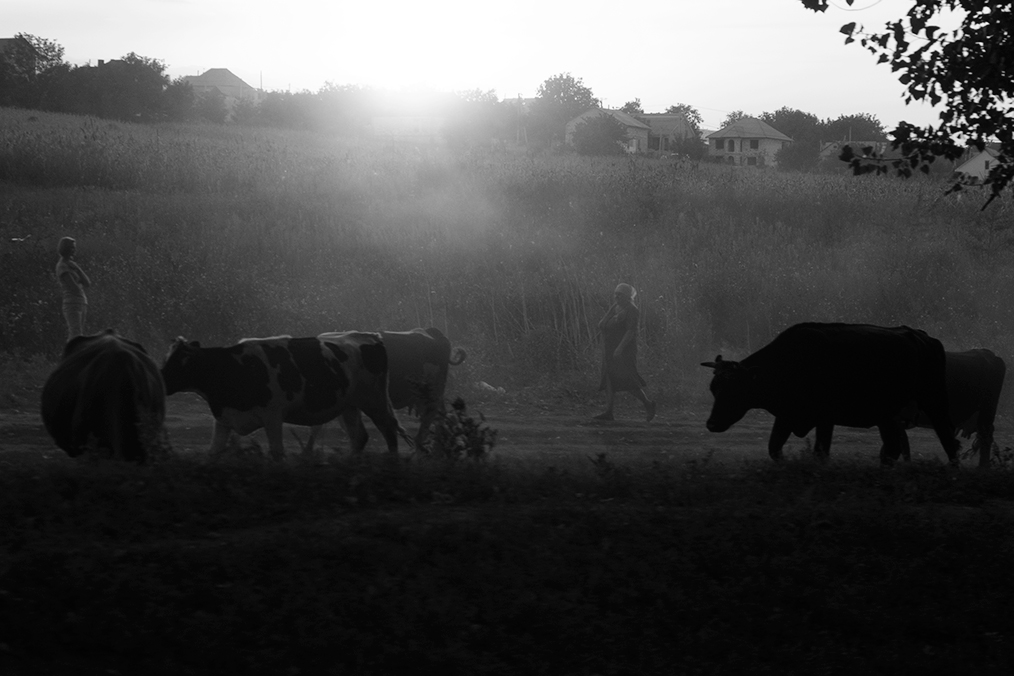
(713, 364)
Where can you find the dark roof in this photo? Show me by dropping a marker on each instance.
(623, 118)
(217, 77)
(750, 127)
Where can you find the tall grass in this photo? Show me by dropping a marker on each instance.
(218, 233)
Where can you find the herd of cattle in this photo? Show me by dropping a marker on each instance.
(108, 393)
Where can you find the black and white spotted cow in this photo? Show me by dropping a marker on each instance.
(265, 382)
(419, 362)
(105, 393)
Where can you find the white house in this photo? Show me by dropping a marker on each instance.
(978, 165)
(747, 142)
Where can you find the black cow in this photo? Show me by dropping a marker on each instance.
(265, 382)
(106, 392)
(974, 381)
(822, 375)
(419, 361)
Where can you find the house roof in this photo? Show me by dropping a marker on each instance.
(620, 116)
(668, 124)
(992, 153)
(217, 77)
(750, 127)
(11, 43)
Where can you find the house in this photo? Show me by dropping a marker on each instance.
(637, 131)
(747, 142)
(224, 82)
(979, 163)
(20, 47)
(667, 131)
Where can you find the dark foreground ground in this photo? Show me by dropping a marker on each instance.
(576, 548)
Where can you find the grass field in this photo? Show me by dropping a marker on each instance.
(600, 563)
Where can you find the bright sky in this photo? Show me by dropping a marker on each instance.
(716, 55)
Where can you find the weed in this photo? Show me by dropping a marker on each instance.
(455, 434)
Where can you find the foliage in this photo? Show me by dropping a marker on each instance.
(600, 134)
(805, 130)
(560, 99)
(456, 434)
(968, 70)
(632, 107)
(222, 232)
(692, 114)
(210, 107)
(732, 118)
(858, 127)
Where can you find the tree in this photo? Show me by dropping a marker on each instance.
(804, 129)
(860, 127)
(130, 88)
(22, 66)
(969, 70)
(633, 107)
(178, 100)
(602, 134)
(733, 117)
(692, 114)
(560, 99)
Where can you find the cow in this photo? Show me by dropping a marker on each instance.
(974, 381)
(265, 382)
(820, 375)
(419, 361)
(105, 393)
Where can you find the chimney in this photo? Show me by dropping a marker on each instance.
(102, 62)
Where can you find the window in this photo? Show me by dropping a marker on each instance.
(754, 144)
(751, 161)
(719, 144)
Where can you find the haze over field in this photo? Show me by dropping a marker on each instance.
(719, 56)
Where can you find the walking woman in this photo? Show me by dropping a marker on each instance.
(73, 281)
(619, 358)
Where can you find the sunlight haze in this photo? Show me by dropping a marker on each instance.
(718, 56)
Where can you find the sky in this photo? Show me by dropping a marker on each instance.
(716, 55)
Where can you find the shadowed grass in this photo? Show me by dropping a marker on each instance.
(373, 565)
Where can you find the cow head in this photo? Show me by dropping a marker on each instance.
(177, 364)
(733, 388)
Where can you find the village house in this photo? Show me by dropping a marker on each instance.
(667, 131)
(747, 142)
(979, 162)
(19, 45)
(223, 81)
(637, 131)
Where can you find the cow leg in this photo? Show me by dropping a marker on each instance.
(780, 432)
(430, 413)
(220, 437)
(984, 442)
(388, 426)
(314, 431)
(822, 444)
(276, 444)
(352, 422)
(906, 448)
(890, 434)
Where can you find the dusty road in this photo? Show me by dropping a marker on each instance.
(549, 432)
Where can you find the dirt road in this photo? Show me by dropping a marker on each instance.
(549, 432)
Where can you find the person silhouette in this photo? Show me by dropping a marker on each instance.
(619, 356)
